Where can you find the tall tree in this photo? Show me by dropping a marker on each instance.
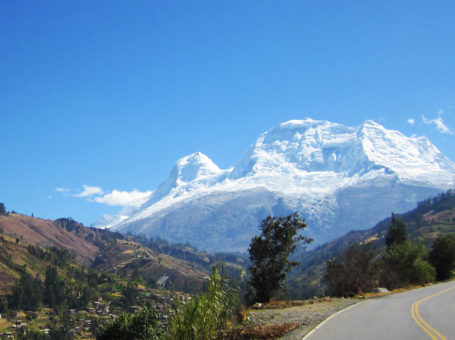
(397, 233)
(54, 288)
(442, 256)
(2, 209)
(27, 293)
(269, 254)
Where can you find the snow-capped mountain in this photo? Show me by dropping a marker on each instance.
(338, 177)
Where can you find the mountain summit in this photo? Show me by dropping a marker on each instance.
(338, 177)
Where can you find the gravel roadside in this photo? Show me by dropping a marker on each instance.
(308, 315)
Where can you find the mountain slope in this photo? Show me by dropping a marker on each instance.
(101, 250)
(47, 233)
(329, 172)
(431, 218)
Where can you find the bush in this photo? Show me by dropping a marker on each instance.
(442, 256)
(141, 325)
(355, 271)
(205, 315)
(405, 264)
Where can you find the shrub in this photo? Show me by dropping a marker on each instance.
(442, 256)
(141, 325)
(355, 271)
(206, 314)
(405, 264)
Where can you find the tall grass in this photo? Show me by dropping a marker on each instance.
(205, 315)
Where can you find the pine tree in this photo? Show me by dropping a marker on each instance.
(54, 288)
(2, 209)
(397, 233)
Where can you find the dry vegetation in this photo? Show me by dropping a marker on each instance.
(287, 319)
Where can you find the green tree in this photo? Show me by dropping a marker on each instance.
(442, 256)
(141, 325)
(397, 232)
(54, 288)
(269, 254)
(27, 293)
(4, 305)
(2, 209)
(130, 294)
(406, 263)
(355, 271)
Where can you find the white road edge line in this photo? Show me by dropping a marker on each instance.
(332, 316)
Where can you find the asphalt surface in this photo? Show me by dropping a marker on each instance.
(421, 314)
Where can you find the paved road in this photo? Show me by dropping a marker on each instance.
(396, 317)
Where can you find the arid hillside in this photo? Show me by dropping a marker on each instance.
(175, 267)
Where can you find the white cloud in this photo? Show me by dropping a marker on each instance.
(411, 121)
(89, 191)
(124, 198)
(438, 124)
(62, 189)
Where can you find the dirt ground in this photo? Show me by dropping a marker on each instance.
(288, 320)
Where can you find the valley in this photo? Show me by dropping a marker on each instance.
(102, 273)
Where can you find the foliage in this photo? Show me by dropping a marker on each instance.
(129, 294)
(54, 288)
(33, 335)
(27, 293)
(355, 271)
(4, 305)
(406, 263)
(143, 324)
(206, 314)
(2, 209)
(269, 254)
(54, 334)
(443, 201)
(442, 256)
(397, 232)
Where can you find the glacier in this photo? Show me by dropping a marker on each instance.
(338, 177)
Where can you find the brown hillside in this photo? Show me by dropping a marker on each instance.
(102, 250)
(441, 217)
(46, 233)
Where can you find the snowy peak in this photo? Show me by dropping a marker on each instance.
(304, 146)
(413, 159)
(189, 174)
(194, 167)
(338, 177)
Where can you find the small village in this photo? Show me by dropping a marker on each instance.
(83, 324)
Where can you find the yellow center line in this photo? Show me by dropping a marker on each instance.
(433, 333)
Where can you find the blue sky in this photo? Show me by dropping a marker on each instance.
(97, 96)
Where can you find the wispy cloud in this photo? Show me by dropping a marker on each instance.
(124, 198)
(411, 121)
(62, 189)
(89, 191)
(438, 123)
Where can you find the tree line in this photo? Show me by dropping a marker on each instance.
(360, 268)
